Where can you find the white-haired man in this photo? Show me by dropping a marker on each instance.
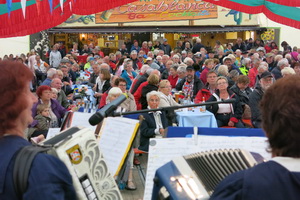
(197, 46)
(277, 70)
(51, 74)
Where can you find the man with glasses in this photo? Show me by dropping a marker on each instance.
(266, 80)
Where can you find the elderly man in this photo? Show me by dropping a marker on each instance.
(197, 46)
(165, 47)
(61, 96)
(51, 74)
(152, 64)
(239, 45)
(266, 80)
(94, 75)
(191, 84)
(277, 70)
(181, 72)
(165, 73)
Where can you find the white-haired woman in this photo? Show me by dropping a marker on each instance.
(154, 123)
(287, 71)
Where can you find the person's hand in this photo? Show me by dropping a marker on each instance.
(98, 94)
(231, 123)
(162, 131)
(72, 107)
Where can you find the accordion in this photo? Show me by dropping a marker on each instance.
(79, 150)
(195, 176)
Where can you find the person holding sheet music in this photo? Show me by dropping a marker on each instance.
(278, 178)
(154, 123)
(48, 177)
(226, 114)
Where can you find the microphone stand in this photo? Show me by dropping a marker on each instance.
(116, 114)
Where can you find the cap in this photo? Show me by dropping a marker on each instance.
(91, 58)
(266, 74)
(226, 58)
(260, 49)
(190, 68)
(197, 55)
(140, 56)
(149, 58)
(165, 40)
(183, 52)
(269, 55)
(245, 52)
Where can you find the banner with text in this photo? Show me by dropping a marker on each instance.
(158, 10)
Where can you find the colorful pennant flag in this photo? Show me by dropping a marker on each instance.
(23, 5)
(9, 4)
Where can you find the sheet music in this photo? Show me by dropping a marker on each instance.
(117, 135)
(164, 150)
(82, 120)
(52, 132)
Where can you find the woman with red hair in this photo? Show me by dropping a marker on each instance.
(48, 177)
(57, 112)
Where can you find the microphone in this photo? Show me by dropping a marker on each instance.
(106, 110)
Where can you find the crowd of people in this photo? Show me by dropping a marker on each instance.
(151, 76)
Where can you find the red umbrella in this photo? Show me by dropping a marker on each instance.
(38, 15)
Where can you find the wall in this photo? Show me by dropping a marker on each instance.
(289, 34)
(15, 45)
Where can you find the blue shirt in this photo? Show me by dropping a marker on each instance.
(48, 178)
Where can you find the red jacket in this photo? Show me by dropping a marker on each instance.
(203, 76)
(173, 80)
(138, 94)
(202, 93)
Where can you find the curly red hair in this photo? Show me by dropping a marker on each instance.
(41, 89)
(15, 78)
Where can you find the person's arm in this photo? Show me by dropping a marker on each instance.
(146, 129)
(253, 104)
(180, 84)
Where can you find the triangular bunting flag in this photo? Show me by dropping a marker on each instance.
(70, 3)
(38, 6)
(61, 2)
(50, 4)
(23, 5)
(9, 3)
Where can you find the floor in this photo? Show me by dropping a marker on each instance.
(137, 194)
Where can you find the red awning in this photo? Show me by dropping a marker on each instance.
(38, 15)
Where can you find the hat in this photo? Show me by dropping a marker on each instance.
(197, 55)
(266, 74)
(245, 52)
(183, 52)
(165, 40)
(140, 56)
(269, 55)
(149, 58)
(260, 49)
(190, 68)
(91, 58)
(64, 61)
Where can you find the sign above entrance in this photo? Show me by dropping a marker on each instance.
(158, 10)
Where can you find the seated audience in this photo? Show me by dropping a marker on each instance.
(154, 123)
(128, 74)
(153, 81)
(229, 114)
(278, 178)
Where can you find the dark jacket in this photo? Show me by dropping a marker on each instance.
(148, 127)
(166, 48)
(164, 74)
(148, 88)
(198, 85)
(197, 47)
(243, 96)
(48, 175)
(92, 80)
(241, 47)
(254, 100)
(237, 108)
(141, 80)
(276, 73)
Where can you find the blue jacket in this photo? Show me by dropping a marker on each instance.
(126, 77)
(48, 179)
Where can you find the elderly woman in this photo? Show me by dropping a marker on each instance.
(128, 74)
(46, 171)
(227, 114)
(57, 112)
(278, 178)
(166, 100)
(154, 123)
(287, 71)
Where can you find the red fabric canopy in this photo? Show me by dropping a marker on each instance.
(281, 11)
(39, 17)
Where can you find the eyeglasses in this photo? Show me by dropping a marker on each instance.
(167, 86)
(122, 85)
(212, 77)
